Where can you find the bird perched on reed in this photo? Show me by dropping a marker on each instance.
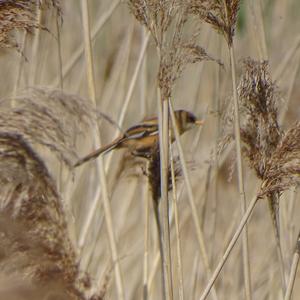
(141, 138)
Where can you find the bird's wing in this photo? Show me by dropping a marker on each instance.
(141, 130)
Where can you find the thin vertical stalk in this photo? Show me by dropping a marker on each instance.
(143, 81)
(176, 221)
(34, 67)
(246, 263)
(163, 117)
(20, 68)
(293, 272)
(61, 83)
(118, 88)
(59, 54)
(91, 213)
(77, 54)
(291, 211)
(146, 245)
(287, 59)
(100, 166)
(120, 122)
(292, 80)
(276, 232)
(132, 85)
(262, 30)
(155, 264)
(111, 89)
(122, 64)
(254, 29)
(199, 233)
(281, 117)
(214, 178)
(229, 248)
(194, 275)
(160, 246)
(245, 249)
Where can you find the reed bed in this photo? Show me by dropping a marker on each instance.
(210, 214)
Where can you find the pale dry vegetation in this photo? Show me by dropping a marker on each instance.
(75, 74)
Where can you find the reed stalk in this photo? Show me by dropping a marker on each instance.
(163, 117)
(246, 262)
(100, 166)
(199, 233)
(229, 248)
(293, 272)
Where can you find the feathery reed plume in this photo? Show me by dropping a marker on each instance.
(282, 172)
(175, 59)
(20, 15)
(260, 131)
(49, 118)
(222, 15)
(177, 49)
(34, 238)
(263, 138)
(259, 98)
(274, 154)
(34, 234)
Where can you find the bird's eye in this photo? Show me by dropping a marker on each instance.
(191, 118)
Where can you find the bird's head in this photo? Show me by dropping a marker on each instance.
(187, 120)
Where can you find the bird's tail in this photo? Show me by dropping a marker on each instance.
(97, 152)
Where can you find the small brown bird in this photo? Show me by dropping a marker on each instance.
(141, 138)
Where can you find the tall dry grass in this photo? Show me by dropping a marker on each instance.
(75, 74)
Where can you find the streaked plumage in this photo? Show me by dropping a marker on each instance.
(140, 138)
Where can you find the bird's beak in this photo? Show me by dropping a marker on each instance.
(199, 122)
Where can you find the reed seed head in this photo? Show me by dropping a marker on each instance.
(20, 15)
